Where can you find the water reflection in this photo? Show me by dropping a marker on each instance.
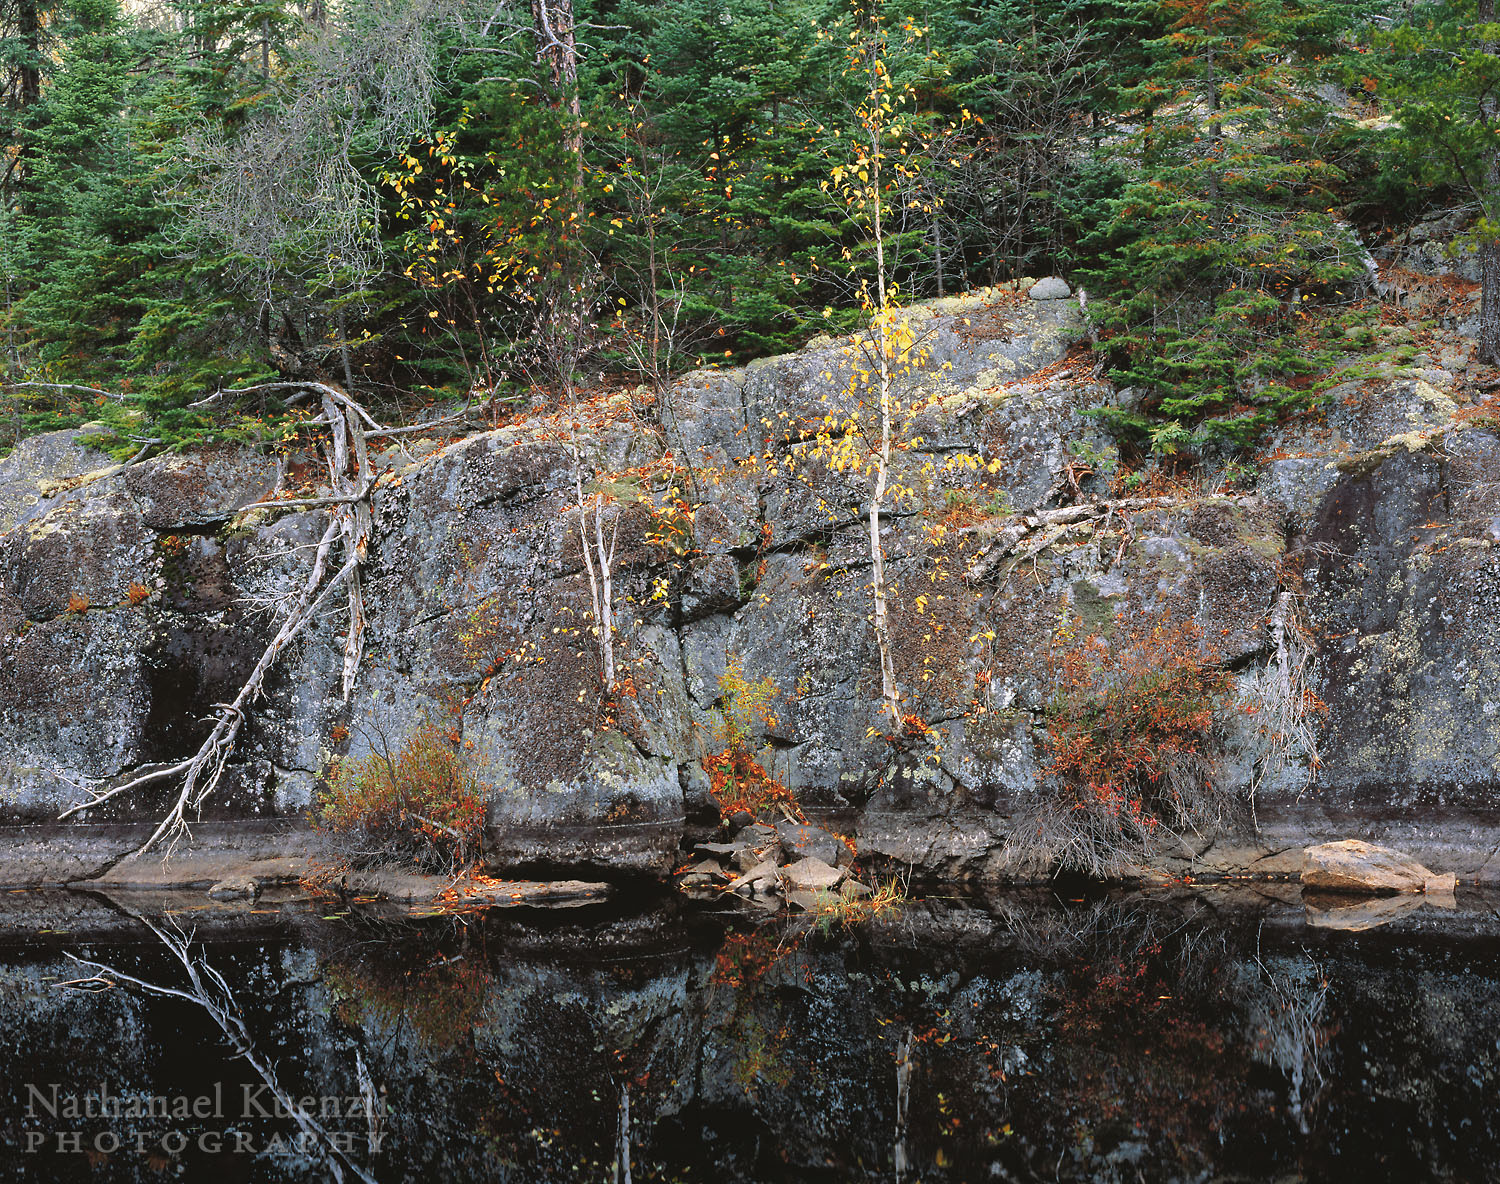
(204, 987)
(1117, 1039)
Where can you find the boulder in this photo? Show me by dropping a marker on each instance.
(758, 881)
(812, 842)
(1051, 288)
(1355, 866)
(755, 853)
(811, 875)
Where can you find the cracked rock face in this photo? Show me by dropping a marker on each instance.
(480, 622)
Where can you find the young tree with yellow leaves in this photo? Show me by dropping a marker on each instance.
(861, 438)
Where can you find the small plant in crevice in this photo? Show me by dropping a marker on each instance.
(738, 782)
(1283, 702)
(845, 912)
(1132, 731)
(421, 804)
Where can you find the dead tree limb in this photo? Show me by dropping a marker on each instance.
(349, 527)
(64, 386)
(1054, 524)
(207, 988)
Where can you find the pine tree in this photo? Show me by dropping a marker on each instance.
(1446, 84)
(83, 204)
(1224, 236)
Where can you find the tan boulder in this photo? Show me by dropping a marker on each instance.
(811, 875)
(758, 881)
(1355, 866)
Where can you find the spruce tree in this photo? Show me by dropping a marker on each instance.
(1446, 85)
(1224, 238)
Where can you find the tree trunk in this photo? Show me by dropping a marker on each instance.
(937, 250)
(552, 22)
(1489, 249)
(344, 351)
(1489, 302)
(29, 30)
(883, 468)
(28, 91)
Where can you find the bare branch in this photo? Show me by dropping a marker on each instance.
(63, 386)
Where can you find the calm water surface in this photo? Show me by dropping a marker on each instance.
(1197, 1037)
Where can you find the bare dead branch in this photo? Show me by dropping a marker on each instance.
(349, 526)
(63, 386)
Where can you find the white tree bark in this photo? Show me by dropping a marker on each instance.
(349, 527)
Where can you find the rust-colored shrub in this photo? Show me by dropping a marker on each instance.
(421, 805)
(736, 779)
(1131, 731)
(77, 603)
(137, 594)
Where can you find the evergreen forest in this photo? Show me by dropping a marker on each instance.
(488, 203)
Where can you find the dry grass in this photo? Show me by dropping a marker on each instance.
(845, 912)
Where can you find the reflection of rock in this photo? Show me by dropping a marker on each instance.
(235, 888)
(1336, 911)
(474, 1032)
(1355, 866)
(405, 887)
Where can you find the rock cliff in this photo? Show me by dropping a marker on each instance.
(133, 599)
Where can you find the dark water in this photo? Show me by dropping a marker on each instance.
(1201, 1037)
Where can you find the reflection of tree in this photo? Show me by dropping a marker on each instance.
(903, 1097)
(1290, 1014)
(622, 1138)
(207, 989)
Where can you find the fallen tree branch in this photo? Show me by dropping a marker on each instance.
(1054, 524)
(418, 427)
(349, 527)
(308, 503)
(146, 779)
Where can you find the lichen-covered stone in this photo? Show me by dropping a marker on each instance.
(1383, 522)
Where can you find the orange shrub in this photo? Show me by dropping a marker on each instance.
(421, 805)
(736, 779)
(137, 593)
(77, 603)
(739, 782)
(1131, 731)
